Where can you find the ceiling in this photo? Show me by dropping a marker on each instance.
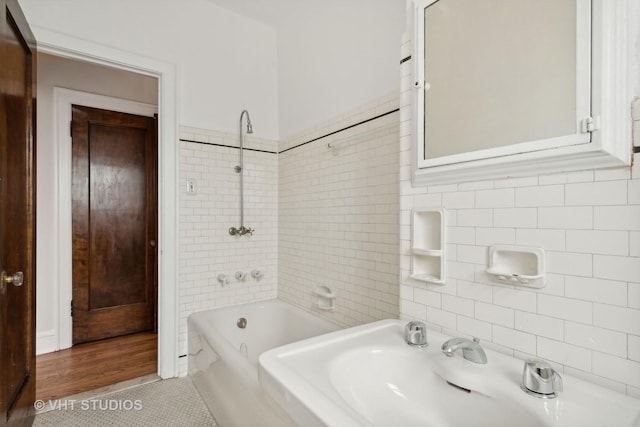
(270, 12)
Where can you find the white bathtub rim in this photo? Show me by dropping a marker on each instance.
(263, 301)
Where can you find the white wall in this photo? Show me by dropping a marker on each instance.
(335, 56)
(55, 71)
(226, 62)
(338, 215)
(206, 248)
(586, 321)
(338, 65)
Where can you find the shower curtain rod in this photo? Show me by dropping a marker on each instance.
(298, 145)
(341, 130)
(353, 138)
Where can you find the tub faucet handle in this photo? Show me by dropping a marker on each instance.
(245, 230)
(415, 334)
(222, 279)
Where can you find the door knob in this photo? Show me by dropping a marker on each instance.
(6, 279)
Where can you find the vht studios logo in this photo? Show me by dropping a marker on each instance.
(88, 405)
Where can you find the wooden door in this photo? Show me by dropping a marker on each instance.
(17, 217)
(114, 216)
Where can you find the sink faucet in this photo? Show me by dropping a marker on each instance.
(471, 350)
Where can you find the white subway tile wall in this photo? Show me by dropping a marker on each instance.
(586, 321)
(338, 215)
(206, 248)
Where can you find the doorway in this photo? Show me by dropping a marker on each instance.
(71, 47)
(55, 200)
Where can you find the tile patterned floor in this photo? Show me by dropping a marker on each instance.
(172, 402)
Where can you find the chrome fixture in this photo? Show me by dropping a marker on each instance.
(415, 334)
(471, 350)
(241, 323)
(242, 230)
(539, 379)
(240, 276)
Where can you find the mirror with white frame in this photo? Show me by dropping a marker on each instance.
(508, 88)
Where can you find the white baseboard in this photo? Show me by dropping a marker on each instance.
(46, 342)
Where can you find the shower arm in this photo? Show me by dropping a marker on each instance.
(242, 230)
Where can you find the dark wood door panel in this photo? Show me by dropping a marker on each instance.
(114, 223)
(112, 322)
(118, 229)
(17, 216)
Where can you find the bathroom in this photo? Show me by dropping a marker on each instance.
(340, 217)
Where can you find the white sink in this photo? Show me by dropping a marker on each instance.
(384, 386)
(368, 376)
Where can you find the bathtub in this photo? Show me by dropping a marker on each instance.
(224, 345)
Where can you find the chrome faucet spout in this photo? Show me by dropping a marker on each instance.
(471, 350)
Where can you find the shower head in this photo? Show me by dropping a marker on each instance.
(249, 127)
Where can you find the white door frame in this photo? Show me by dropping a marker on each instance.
(167, 75)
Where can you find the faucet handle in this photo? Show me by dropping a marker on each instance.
(222, 279)
(540, 379)
(415, 334)
(245, 230)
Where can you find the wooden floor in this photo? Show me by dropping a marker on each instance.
(85, 367)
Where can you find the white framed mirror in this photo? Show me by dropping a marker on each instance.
(509, 88)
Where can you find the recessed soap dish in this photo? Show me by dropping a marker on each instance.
(517, 265)
(325, 298)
